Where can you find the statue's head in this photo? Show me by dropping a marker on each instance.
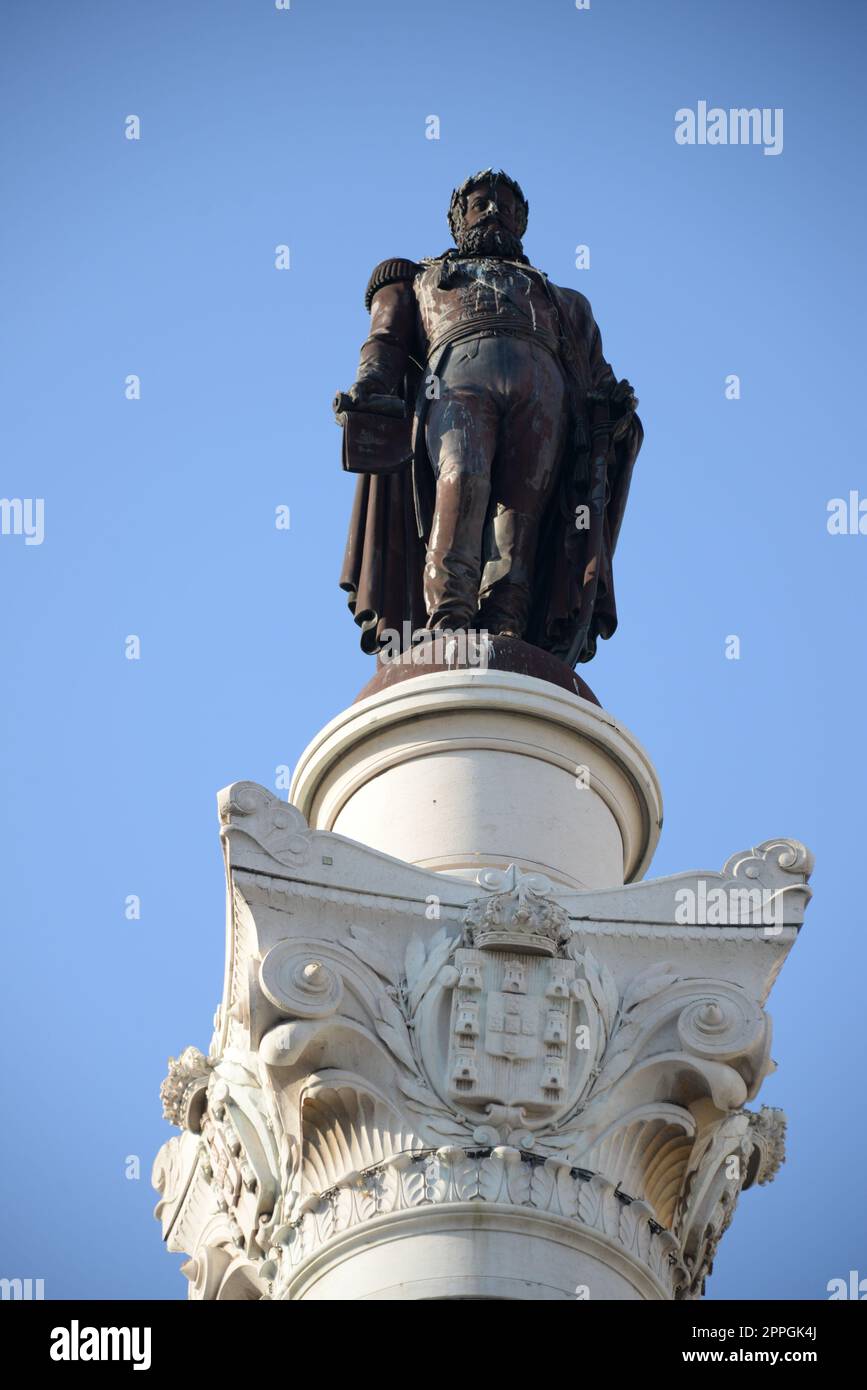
(488, 213)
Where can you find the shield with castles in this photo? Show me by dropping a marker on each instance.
(512, 1034)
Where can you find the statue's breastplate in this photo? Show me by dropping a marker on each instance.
(495, 295)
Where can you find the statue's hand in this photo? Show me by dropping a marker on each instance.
(623, 397)
(618, 395)
(360, 392)
(369, 397)
(356, 398)
(621, 401)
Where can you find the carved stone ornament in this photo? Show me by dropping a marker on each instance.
(518, 914)
(184, 1090)
(394, 1046)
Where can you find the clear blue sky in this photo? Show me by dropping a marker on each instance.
(156, 257)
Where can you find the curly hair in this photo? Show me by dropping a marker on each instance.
(458, 204)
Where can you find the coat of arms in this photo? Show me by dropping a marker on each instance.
(521, 1020)
(512, 1030)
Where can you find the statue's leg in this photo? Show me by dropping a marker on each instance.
(461, 435)
(524, 478)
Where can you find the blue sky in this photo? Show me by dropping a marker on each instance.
(156, 257)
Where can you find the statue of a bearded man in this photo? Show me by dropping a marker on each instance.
(494, 442)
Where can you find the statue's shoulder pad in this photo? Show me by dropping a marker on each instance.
(389, 272)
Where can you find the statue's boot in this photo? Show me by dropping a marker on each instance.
(506, 588)
(453, 561)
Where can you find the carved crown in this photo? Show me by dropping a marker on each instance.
(768, 1131)
(184, 1090)
(521, 916)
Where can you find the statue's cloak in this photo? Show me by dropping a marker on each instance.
(573, 586)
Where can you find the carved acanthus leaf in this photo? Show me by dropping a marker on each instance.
(391, 1027)
(647, 984)
(602, 987)
(370, 950)
(425, 966)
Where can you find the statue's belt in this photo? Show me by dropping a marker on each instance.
(484, 327)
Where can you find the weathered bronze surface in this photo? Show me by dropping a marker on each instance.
(500, 654)
(494, 444)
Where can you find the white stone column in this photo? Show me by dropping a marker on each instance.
(464, 770)
(463, 1051)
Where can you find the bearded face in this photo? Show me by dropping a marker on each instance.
(490, 222)
(489, 239)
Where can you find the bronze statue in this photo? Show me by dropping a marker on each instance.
(494, 442)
